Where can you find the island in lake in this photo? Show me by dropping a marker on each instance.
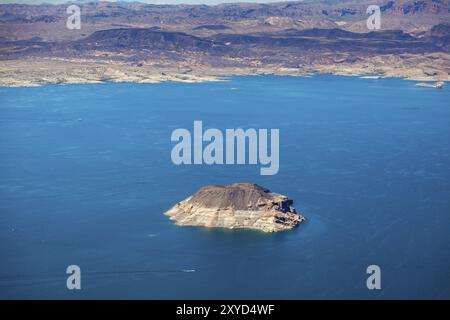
(239, 205)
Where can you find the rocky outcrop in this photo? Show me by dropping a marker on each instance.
(240, 205)
(436, 85)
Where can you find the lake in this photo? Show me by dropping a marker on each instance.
(86, 175)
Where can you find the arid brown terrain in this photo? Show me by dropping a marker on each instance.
(139, 42)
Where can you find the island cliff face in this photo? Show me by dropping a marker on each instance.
(240, 205)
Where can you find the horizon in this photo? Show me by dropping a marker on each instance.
(187, 2)
(156, 2)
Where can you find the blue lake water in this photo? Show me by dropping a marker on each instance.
(86, 174)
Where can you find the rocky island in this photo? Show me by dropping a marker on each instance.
(239, 205)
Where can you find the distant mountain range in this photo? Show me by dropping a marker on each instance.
(20, 21)
(309, 35)
(287, 47)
